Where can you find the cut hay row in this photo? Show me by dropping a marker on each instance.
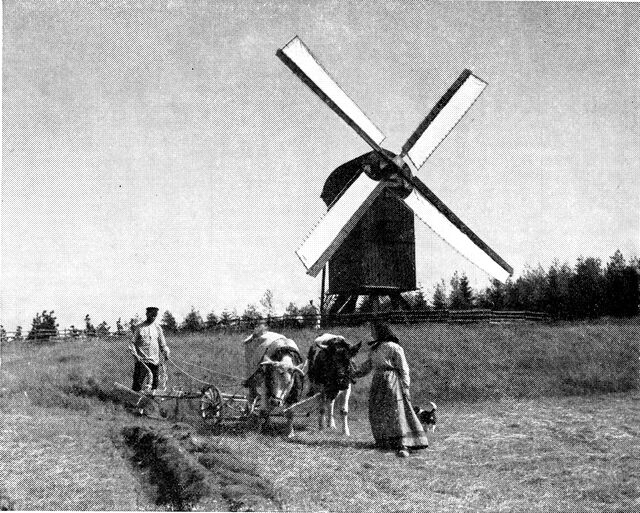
(188, 472)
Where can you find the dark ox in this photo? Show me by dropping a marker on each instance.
(330, 372)
(282, 383)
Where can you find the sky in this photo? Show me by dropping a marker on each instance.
(158, 153)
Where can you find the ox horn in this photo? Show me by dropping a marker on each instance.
(266, 360)
(354, 349)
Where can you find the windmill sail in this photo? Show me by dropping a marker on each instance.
(443, 117)
(437, 216)
(423, 202)
(297, 57)
(334, 227)
(344, 214)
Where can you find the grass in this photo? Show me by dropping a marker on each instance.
(567, 454)
(531, 417)
(468, 363)
(56, 460)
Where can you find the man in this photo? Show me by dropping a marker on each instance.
(147, 345)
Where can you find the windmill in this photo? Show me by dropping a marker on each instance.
(372, 199)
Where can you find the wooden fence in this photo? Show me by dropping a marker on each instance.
(447, 316)
(316, 321)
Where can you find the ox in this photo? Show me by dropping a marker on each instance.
(330, 374)
(278, 377)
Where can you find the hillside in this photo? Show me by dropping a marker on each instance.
(531, 416)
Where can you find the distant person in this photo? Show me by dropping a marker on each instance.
(394, 423)
(314, 314)
(147, 346)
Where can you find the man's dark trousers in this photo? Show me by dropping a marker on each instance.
(139, 373)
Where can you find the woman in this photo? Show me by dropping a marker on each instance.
(393, 422)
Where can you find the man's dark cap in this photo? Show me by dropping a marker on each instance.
(152, 309)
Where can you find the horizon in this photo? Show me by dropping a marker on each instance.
(279, 313)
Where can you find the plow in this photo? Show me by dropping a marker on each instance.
(205, 400)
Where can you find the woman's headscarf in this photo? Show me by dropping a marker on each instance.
(383, 333)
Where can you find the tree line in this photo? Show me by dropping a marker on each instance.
(252, 315)
(45, 325)
(587, 290)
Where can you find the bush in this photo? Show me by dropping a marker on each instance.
(192, 322)
(43, 327)
(168, 322)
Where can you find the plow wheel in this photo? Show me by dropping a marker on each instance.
(211, 405)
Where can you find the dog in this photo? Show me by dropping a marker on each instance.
(427, 416)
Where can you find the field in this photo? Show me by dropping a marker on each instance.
(531, 417)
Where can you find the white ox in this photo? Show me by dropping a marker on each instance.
(275, 379)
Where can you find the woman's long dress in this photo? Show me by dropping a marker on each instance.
(394, 424)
